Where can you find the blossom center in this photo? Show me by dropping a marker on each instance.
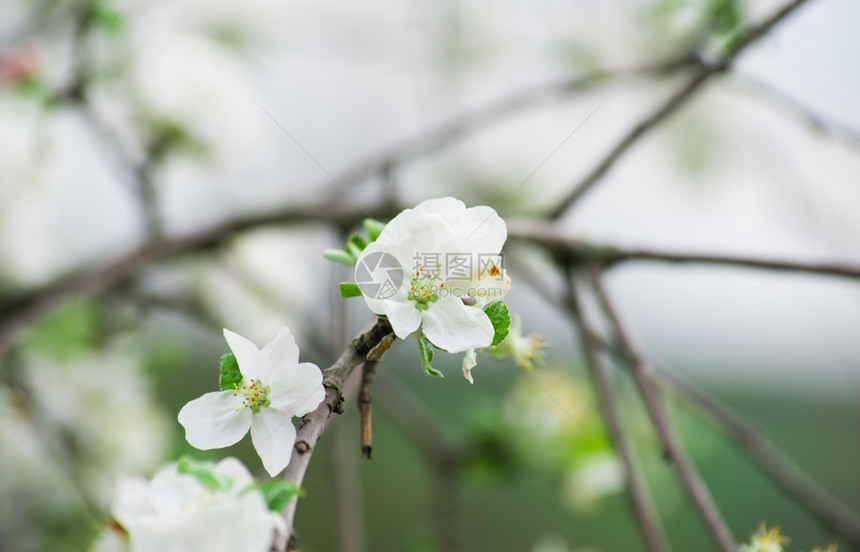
(255, 394)
(423, 288)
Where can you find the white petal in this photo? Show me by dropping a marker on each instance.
(215, 420)
(444, 206)
(173, 491)
(281, 351)
(404, 318)
(273, 435)
(131, 501)
(470, 360)
(375, 275)
(451, 325)
(297, 389)
(248, 356)
(236, 472)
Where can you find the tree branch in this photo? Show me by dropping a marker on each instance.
(773, 463)
(670, 106)
(640, 500)
(693, 483)
(577, 252)
(314, 423)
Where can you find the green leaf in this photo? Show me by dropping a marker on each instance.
(202, 471)
(231, 376)
(355, 244)
(426, 349)
(339, 256)
(279, 492)
(501, 319)
(373, 228)
(349, 289)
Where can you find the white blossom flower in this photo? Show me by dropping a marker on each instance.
(451, 257)
(275, 387)
(765, 540)
(178, 512)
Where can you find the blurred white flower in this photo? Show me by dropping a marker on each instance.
(595, 477)
(178, 512)
(100, 403)
(446, 304)
(274, 388)
(765, 540)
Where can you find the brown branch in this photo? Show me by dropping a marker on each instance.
(365, 405)
(25, 307)
(577, 252)
(19, 310)
(640, 499)
(773, 463)
(693, 483)
(670, 106)
(313, 424)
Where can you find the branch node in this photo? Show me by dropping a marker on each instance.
(302, 447)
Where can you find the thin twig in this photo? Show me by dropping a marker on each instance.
(819, 123)
(365, 406)
(644, 375)
(577, 252)
(313, 424)
(640, 499)
(670, 106)
(773, 463)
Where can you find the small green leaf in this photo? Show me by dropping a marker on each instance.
(339, 256)
(426, 349)
(202, 471)
(373, 228)
(279, 492)
(501, 319)
(349, 289)
(355, 244)
(231, 376)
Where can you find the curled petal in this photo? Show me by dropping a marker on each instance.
(470, 360)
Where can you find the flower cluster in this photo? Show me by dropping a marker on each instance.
(265, 391)
(190, 506)
(772, 540)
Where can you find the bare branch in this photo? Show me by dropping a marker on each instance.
(773, 463)
(670, 106)
(640, 499)
(693, 483)
(576, 252)
(314, 423)
(824, 126)
(365, 406)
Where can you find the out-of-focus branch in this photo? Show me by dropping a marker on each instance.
(461, 125)
(773, 463)
(313, 424)
(815, 121)
(693, 483)
(19, 310)
(669, 107)
(577, 252)
(640, 499)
